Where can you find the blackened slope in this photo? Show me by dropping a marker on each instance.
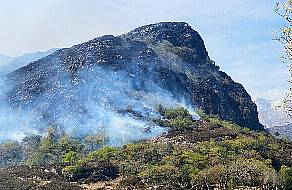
(144, 54)
(179, 34)
(217, 94)
(210, 89)
(89, 86)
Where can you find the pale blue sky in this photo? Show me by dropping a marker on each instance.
(237, 34)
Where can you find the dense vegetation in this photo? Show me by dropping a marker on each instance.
(204, 154)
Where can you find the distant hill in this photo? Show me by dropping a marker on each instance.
(4, 59)
(274, 118)
(284, 131)
(10, 64)
(271, 114)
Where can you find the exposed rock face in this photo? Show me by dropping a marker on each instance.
(164, 57)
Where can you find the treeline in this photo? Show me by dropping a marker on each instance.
(55, 147)
(205, 154)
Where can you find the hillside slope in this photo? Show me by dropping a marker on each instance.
(18, 62)
(206, 154)
(4, 59)
(93, 85)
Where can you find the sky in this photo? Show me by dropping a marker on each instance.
(238, 34)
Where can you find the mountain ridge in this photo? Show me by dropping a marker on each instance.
(157, 63)
(22, 60)
(4, 59)
(271, 114)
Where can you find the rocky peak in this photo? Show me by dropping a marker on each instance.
(179, 34)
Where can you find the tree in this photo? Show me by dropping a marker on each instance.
(252, 173)
(284, 9)
(286, 177)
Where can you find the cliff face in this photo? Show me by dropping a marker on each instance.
(152, 64)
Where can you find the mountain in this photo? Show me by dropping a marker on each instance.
(114, 84)
(263, 104)
(284, 131)
(15, 63)
(270, 113)
(4, 59)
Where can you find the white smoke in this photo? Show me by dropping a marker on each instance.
(92, 101)
(14, 124)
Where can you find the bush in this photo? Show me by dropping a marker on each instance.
(178, 118)
(10, 153)
(103, 154)
(71, 157)
(252, 173)
(173, 113)
(162, 175)
(180, 123)
(286, 177)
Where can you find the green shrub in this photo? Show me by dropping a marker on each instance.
(173, 113)
(72, 170)
(178, 118)
(180, 123)
(286, 177)
(161, 175)
(103, 154)
(10, 153)
(71, 157)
